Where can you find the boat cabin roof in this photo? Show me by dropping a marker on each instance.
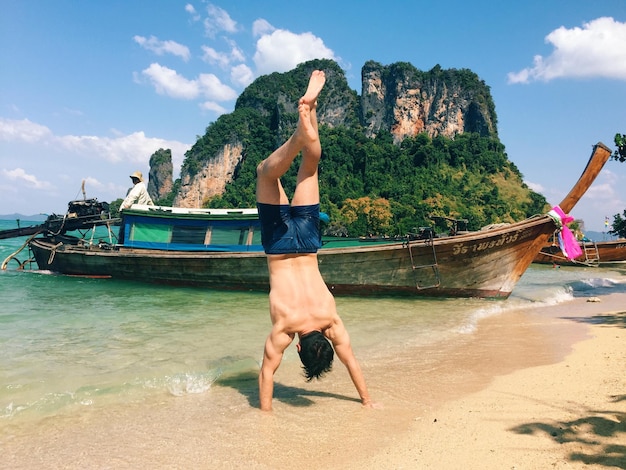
(185, 212)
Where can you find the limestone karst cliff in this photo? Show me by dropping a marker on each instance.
(405, 101)
(397, 98)
(211, 179)
(160, 180)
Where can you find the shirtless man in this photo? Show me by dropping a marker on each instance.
(300, 302)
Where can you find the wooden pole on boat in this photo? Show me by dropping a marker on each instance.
(599, 157)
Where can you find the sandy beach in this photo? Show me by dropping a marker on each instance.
(570, 414)
(528, 390)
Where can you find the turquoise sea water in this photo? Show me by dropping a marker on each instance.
(70, 343)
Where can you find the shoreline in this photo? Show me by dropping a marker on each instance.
(543, 388)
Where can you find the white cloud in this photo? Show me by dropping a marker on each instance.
(236, 54)
(261, 27)
(222, 59)
(212, 88)
(601, 192)
(217, 21)
(605, 188)
(282, 50)
(211, 56)
(168, 82)
(22, 131)
(241, 75)
(535, 186)
(212, 106)
(276, 50)
(18, 174)
(92, 182)
(189, 8)
(598, 49)
(163, 47)
(603, 199)
(135, 147)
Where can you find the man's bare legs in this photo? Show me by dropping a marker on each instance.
(307, 185)
(305, 139)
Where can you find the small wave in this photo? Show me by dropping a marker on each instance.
(553, 296)
(597, 286)
(11, 410)
(477, 315)
(558, 296)
(191, 383)
(48, 403)
(45, 272)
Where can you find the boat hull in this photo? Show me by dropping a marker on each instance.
(607, 253)
(484, 264)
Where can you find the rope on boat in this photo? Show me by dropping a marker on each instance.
(54, 252)
(14, 254)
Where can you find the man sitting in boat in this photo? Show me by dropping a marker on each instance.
(138, 194)
(300, 302)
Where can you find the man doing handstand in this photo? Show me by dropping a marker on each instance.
(300, 302)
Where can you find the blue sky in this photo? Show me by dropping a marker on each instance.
(89, 90)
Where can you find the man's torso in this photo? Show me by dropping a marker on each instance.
(299, 299)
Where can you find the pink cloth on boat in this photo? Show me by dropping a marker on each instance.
(568, 243)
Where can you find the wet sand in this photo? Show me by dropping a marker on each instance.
(531, 389)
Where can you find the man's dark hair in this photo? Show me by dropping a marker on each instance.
(316, 355)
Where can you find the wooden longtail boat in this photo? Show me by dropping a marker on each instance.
(193, 248)
(595, 254)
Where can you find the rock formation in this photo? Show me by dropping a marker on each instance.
(397, 98)
(211, 180)
(160, 180)
(404, 101)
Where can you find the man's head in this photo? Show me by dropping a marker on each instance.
(136, 177)
(316, 355)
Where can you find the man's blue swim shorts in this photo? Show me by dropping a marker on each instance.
(289, 229)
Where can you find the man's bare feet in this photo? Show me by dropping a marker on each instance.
(305, 132)
(316, 83)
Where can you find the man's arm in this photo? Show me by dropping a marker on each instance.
(131, 197)
(341, 342)
(275, 346)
